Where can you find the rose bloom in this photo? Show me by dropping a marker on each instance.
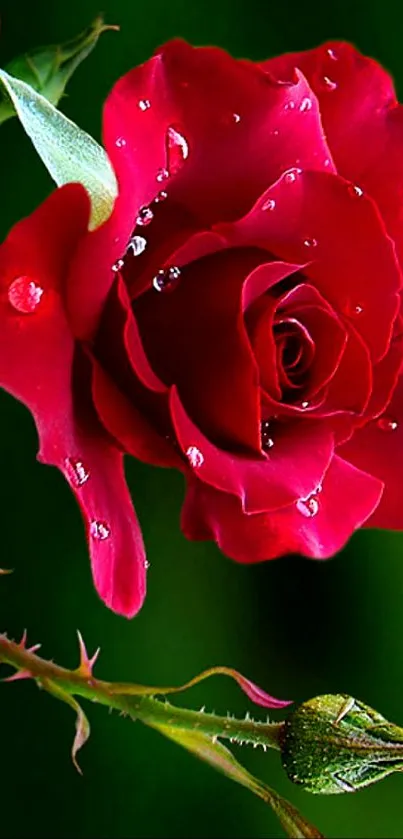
(238, 315)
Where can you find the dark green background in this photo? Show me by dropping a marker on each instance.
(297, 627)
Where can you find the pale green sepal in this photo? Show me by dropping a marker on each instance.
(68, 152)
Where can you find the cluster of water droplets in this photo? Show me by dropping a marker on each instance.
(266, 438)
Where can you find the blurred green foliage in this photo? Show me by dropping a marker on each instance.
(298, 627)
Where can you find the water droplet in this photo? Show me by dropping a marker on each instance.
(386, 423)
(162, 175)
(289, 106)
(145, 216)
(266, 438)
(177, 150)
(236, 117)
(355, 191)
(326, 162)
(331, 53)
(306, 104)
(137, 245)
(305, 404)
(76, 471)
(120, 142)
(353, 310)
(310, 243)
(166, 278)
(195, 457)
(100, 530)
(269, 204)
(118, 265)
(276, 132)
(329, 84)
(146, 564)
(308, 507)
(144, 104)
(25, 295)
(291, 175)
(162, 196)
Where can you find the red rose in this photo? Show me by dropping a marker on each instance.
(249, 331)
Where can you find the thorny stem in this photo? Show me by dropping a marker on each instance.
(147, 709)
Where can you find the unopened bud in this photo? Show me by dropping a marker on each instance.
(334, 744)
(48, 69)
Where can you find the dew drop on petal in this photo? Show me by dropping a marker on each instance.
(177, 150)
(118, 265)
(236, 117)
(265, 433)
(353, 310)
(100, 530)
(310, 243)
(144, 217)
(195, 457)
(289, 106)
(137, 245)
(308, 507)
(162, 175)
(166, 278)
(305, 404)
(355, 191)
(162, 196)
(25, 295)
(120, 142)
(329, 84)
(146, 564)
(326, 162)
(306, 104)
(291, 176)
(331, 53)
(76, 471)
(144, 104)
(386, 423)
(269, 204)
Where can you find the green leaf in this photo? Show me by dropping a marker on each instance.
(218, 756)
(69, 154)
(48, 69)
(82, 725)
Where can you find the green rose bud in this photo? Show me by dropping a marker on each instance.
(48, 69)
(334, 744)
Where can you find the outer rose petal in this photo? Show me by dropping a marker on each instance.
(357, 101)
(134, 137)
(294, 467)
(378, 448)
(36, 365)
(348, 497)
(321, 216)
(257, 124)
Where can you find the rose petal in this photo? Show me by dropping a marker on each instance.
(378, 448)
(195, 338)
(36, 363)
(360, 103)
(295, 465)
(200, 93)
(351, 251)
(348, 497)
(130, 428)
